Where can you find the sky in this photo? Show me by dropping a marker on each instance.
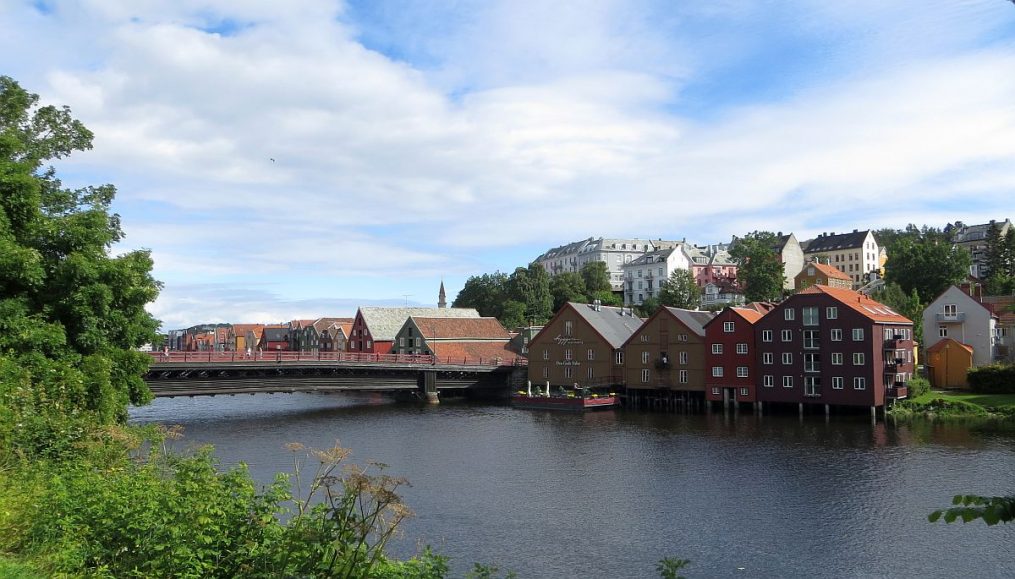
(298, 159)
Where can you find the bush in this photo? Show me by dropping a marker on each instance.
(995, 379)
(918, 386)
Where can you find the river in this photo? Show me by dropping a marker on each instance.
(608, 494)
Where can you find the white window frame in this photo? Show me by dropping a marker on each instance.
(682, 356)
(644, 357)
(766, 335)
(787, 358)
(789, 314)
(741, 371)
(857, 334)
(741, 347)
(836, 334)
(787, 381)
(786, 335)
(768, 381)
(837, 382)
(645, 375)
(768, 358)
(728, 327)
(592, 354)
(717, 371)
(717, 348)
(859, 383)
(837, 358)
(809, 315)
(832, 313)
(858, 358)
(682, 377)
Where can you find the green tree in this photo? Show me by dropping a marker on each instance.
(759, 271)
(531, 286)
(649, 306)
(606, 298)
(71, 314)
(513, 315)
(567, 287)
(680, 291)
(927, 265)
(486, 293)
(597, 277)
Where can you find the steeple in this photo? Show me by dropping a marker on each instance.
(442, 298)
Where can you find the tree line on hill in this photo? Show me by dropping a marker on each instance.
(922, 263)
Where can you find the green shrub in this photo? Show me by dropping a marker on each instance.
(995, 379)
(918, 386)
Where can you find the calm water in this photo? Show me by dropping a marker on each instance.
(608, 494)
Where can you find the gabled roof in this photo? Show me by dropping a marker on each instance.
(829, 271)
(322, 324)
(460, 328)
(871, 309)
(833, 242)
(749, 314)
(694, 320)
(760, 307)
(950, 343)
(989, 307)
(276, 333)
(384, 323)
(615, 325)
(473, 350)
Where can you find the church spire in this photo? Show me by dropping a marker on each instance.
(442, 298)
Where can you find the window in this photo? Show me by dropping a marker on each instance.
(544, 372)
(831, 313)
(644, 374)
(837, 358)
(567, 371)
(942, 331)
(837, 334)
(857, 334)
(417, 338)
(683, 358)
(568, 326)
(837, 383)
(811, 339)
(950, 310)
(745, 392)
(812, 385)
(681, 337)
(809, 315)
(768, 358)
(590, 372)
(717, 348)
(812, 362)
(567, 354)
(683, 377)
(766, 335)
(644, 357)
(643, 338)
(789, 314)
(620, 357)
(858, 358)
(859, 383)
(401, 342)
(546, 354)
(741, 371)
(768, 381)
(370, 343)
(787, 357)
(787, 335)
(717, 371)
(742, 348)
(727, 327)
(592, 354)
(787, 381)
(715, 391)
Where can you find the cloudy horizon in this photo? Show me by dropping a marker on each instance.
(298, 160)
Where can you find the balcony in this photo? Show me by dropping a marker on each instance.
(894, 363)
(893, 342)
(897, 392)
(956, 318)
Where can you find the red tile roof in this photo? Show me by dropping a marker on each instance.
(749, 314)
(445, 328)
(873, 310)
(829, 271)
(948, 342)
(472, 350)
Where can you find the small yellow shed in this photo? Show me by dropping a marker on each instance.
(948, 361)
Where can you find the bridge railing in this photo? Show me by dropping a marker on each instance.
(353, 357)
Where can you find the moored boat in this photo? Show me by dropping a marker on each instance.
(578, 399)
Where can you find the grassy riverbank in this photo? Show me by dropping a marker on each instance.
(957, 404)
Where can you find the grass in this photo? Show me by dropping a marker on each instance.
(14, 570)
(984, 401)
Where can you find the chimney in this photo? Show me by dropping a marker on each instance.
(856, 231)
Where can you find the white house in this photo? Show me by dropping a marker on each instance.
(956, 315)
(644, 276)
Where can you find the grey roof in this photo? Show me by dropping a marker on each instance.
(275, 334)
(598, 244)
(615, 324)
(833, 242)
(657, 256)
(384, 323)
(970, 233)
(693, 319)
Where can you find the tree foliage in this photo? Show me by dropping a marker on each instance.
(909, 305)
(968, 508)
(1000, 261)
(486, 293)
(927, 265)
(71, 314)
(759, 271)
(531, 286)
(567, 287)
(597, 277)
(680, 291)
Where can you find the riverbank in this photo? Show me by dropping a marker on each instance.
(952, 404)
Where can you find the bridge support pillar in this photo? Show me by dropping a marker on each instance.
(430, 387)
